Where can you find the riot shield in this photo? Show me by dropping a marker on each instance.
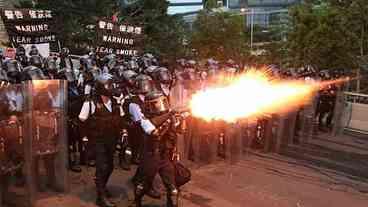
(14, 190)
(45, 136)
(233, 142)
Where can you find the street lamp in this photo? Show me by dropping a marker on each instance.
(245, 11)
(251, 28)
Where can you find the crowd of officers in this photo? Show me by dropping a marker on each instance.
(129, 106)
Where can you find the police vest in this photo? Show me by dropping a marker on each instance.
(45, 140)
(12, 135)
(108, 124)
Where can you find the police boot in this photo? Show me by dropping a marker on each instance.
(172, 198)
(125, 161)
(75, 168)
(102, 201)
(138, 195)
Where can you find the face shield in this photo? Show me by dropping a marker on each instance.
(129, 77)
(144, 84)
(147, 62)
(164, 76)
(156, 104)
(133, 65)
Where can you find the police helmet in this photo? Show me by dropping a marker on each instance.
(143, 84)
(163, 75)
(104, 85)
(156, 103)
(51, 65)
(13, 70)
(133, 65)
(20, 51)
(189, 74)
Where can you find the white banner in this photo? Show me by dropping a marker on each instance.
(43, 49)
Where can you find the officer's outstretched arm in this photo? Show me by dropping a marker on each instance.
(138, 117)
(84, 113)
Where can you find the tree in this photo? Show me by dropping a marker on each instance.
(210, 4)
(74, 18)
(164, 34)
(356, 21)
(319, 37)
(220, 35)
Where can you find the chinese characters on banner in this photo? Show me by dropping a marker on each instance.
(29, 26)
(120, 39)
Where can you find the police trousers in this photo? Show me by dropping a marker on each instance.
(105, 149)
(155, 162)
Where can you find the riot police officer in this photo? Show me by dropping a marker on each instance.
(11, 152)
(143, 84)
(164, 80)
(134, 109)
(13, 71)
(65, 59)
(51, 69)
(103, 116)
(20, 55)
(159, 148)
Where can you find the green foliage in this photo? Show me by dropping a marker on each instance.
(319, 37)
(210, 4)
(164, 34)
(220, 35)
(25, 4)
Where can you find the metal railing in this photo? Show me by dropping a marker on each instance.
(356, 97)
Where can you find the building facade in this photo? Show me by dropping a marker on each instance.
(262, 13)
(185, 7)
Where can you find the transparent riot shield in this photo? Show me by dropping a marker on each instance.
(14, 190)
(233, 142)
(45, 136)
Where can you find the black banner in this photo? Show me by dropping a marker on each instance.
(29, 26)
(121, 39)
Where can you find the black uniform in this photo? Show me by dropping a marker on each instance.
(159, 146)
(104, 126)
(135, 133)
(45, 142)
(11, 154)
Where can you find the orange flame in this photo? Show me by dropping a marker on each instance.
(250, 95)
